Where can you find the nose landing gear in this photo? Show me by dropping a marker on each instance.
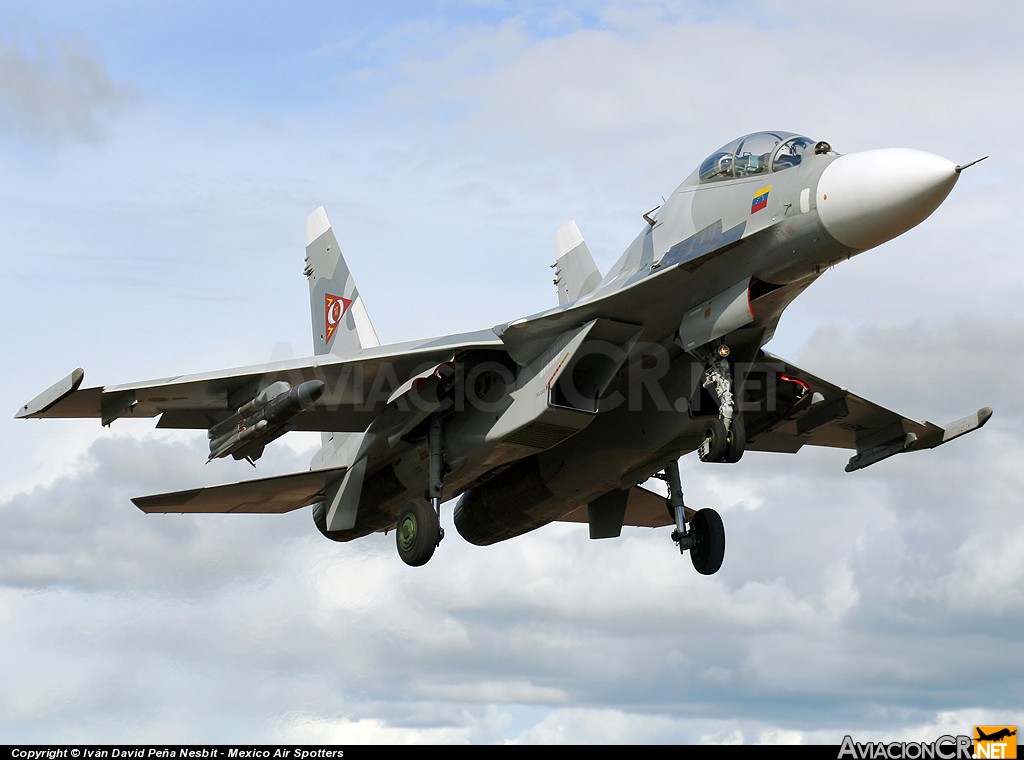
(725, 437)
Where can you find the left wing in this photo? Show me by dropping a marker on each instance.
(787, 407)
(276, 495)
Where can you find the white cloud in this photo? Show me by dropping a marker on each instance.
(317, 731)
(54, 90)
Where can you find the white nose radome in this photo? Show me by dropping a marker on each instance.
(865, 199)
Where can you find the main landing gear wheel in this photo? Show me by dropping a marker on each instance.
(703, 535)
(708, 548)
(418, 533)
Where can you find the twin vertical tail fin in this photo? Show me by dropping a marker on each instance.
(341, 324)
(576, 274)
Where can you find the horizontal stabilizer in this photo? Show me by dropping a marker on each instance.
(276, 495)
(643, 509)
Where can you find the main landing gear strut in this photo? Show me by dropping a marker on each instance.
(704, 536)
(419, 528)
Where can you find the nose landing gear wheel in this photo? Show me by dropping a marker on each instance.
(736, 443)
(716, 441)
(417, 534)
(721, 445)
(708, 548)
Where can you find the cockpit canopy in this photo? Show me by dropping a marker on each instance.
(757, 153)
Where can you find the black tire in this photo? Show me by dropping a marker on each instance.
(715, 441)
(708, 550)
(417, 533)
(737, 441)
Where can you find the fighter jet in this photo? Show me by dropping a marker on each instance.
(564, 415)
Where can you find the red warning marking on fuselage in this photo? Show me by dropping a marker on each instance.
(334, 309)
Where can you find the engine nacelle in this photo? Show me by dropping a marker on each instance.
(500, 508)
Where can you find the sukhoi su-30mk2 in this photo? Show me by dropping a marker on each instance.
(563, 415)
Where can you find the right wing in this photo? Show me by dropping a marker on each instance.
(357, 388)
(275, 495)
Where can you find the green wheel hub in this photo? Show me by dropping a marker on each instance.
(407, 530)
(417, 532)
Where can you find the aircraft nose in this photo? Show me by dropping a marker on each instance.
(865, 199)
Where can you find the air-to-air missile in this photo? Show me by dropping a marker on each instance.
(261, 420)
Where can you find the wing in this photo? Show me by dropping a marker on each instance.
(264, 496)
(357, 388)
(786, 408)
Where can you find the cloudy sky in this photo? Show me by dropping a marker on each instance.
(157, 161)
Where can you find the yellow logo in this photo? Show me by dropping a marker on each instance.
(995, 742)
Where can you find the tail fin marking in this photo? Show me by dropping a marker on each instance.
(341, 324)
